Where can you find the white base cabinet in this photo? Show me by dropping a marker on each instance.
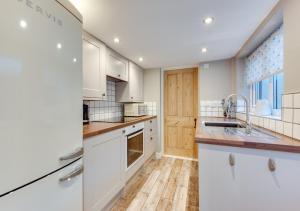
(249, 184)
(150, 137)
(103, 169)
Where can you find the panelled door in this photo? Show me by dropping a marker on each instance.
(180, 112)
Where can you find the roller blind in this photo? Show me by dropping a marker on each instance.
(267, 59)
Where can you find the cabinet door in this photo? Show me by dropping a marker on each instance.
(104, 169)
(217, 185)
(117, 66)
(94, 79)
(136, 83)
(248, 185)
(276, 191)
(133, 91)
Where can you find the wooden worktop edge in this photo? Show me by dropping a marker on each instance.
(115, 127)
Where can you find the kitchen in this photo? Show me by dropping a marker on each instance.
(137, 105)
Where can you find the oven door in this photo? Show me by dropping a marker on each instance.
(135, 147)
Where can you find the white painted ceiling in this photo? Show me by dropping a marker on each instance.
(168, 33)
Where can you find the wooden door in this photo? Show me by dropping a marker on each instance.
(180, 112)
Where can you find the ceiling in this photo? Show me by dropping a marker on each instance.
(170, 33)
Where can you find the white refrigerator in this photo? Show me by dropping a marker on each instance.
(40, 106)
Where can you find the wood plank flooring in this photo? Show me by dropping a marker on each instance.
(165, 184)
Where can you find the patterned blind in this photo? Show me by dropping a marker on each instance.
(267, 59)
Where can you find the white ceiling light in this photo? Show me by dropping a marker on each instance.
(204, 50)
(117, 40)
(208, 20)
(23, 24)
(59, 45)
(74, 60)
(141, 59)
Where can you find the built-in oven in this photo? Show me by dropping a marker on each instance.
(135, 146)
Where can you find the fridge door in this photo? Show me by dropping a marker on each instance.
(48, 194)
(40, 89)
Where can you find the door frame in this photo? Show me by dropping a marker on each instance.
(162, 91)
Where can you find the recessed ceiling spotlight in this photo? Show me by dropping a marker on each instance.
(204, 50)
(141, 59)
(208, 20)
(74, 60)
(23, 24)
(59, 45)
(117, 40)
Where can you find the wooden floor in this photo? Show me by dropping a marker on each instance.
(165, 184)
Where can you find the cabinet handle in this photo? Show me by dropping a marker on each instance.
(195, 123)
(123, 131)
(131, 97)
(151, 138)
(150, 130)
(76, 154)
(119, 76)
(150, 121)
(73, 174)
(272, 165)
(231, 160)
(103, 94)
(133, 126)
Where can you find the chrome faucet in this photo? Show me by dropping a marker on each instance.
(248, 124)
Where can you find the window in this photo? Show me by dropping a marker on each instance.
(269, 89)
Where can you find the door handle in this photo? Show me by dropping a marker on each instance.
(195, 123)
(78, 153)
(73, 174)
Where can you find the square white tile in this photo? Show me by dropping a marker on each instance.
(272, 125)
(279, 127)
(297, 116)
(288, 129)
(287, 101)
(296, 131)
(266, 123)
(288, 115)
(297, 100)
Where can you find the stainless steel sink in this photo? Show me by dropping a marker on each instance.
(238, 129)
(224, 124)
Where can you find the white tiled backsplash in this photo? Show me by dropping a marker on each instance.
(101, 110)
(151, 108)
(288, 125)
(105, 109)
(211, 108)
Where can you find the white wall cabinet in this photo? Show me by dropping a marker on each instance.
(249, 184)
(94, 63)
(103, 169)
(133, 91)
(116, 66)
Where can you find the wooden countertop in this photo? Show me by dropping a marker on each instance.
(220, 136)
(97, 128)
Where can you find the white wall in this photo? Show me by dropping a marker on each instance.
(152, 93)
(216, 82)
(291, 45)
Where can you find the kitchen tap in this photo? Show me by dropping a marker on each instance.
(248, 124)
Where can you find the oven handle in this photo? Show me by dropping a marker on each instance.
(135, 134)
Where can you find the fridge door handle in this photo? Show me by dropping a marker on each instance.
(77, 154)
(73, 174)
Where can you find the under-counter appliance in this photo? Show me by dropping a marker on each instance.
(41, 109)
(135, 109)
(134, 144)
